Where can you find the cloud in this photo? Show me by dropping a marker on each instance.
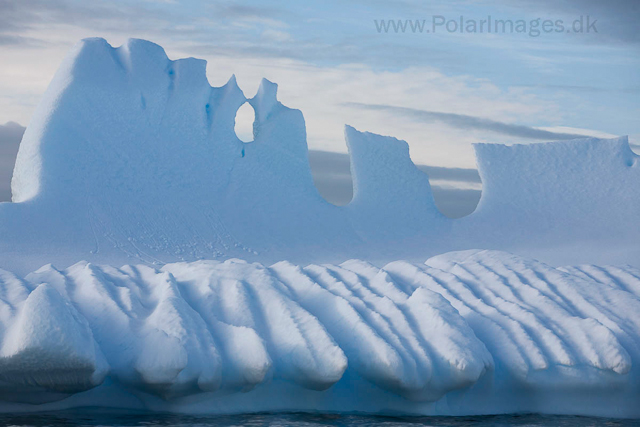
(462, 121)
(42, 22)
(15, 40)
(332, 176)
(585, 89)
(458, 175)
(325, 59)
(617, 19)
(24, 15)
(10, 137)
(243, 11)
(579, 131)
(338, 164)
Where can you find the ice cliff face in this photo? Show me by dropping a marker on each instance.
(466, 332)
(133, 157)
(559, 192)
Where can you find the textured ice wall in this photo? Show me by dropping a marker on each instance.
(467, 332)
(132, 157)
(561, 191)
(131, 154)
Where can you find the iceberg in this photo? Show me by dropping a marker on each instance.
(132, 157)
(240, 289)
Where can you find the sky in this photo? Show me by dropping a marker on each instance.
(439, 89)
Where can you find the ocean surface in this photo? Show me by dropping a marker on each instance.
(94, 418)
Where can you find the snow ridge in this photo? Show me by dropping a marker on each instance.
(466, 332)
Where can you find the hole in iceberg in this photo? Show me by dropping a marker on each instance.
(245, 116)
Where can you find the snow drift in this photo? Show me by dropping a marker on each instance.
(132, 157)
(466, 332)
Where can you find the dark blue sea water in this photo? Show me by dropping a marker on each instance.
(92, 418)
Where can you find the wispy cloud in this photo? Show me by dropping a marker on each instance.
(462, 121)
(584, 89)
(244, 11)
(19, 41)
(330, 163)
(618, 19)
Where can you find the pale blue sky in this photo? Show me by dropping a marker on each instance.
(440, 92)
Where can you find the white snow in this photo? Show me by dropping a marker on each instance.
(132, 159)
(47, 350)
(466, 332)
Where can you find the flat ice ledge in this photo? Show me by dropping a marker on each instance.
(465, 333)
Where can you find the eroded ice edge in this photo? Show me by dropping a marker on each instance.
(131, 159)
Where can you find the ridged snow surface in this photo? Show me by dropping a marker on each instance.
(466, 332)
